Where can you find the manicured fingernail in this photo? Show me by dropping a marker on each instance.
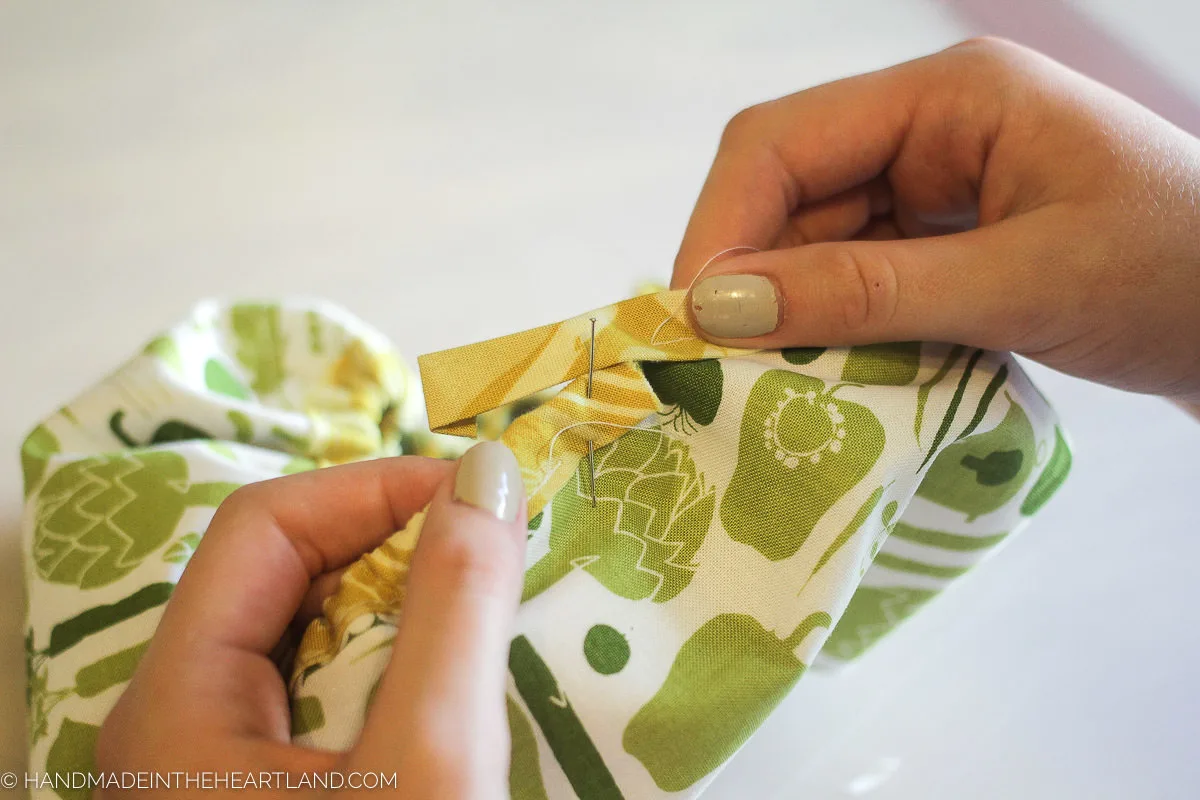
(490, 479)
(736, 306)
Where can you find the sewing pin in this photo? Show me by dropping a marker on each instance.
(591, 444)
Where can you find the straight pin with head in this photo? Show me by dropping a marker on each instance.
(591, 444)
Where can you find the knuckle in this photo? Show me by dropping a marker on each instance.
(866, 289)
(744, 124)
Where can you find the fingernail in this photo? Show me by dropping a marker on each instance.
(490, 479)
(736, 306)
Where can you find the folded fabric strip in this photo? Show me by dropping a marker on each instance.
(753, 509)
(747, 502)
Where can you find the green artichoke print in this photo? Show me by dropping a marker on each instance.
(99, 517)
(691, 390)
(652, 513)
(801, 450)
(981, 473)
(724, 682)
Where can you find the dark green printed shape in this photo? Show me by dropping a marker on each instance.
(985, 401)
(73, 750)
(872, 612)
(1052, 477)
(220, 380)
(653, 511)
(926, 387)
(606, 649)
(35, 452)
(260, 345)
(71, 632)
(98, 518)
(307, 715)
(955, 402)
(170, 431)
(692, 388)
(978, 475)
(109, 671)
(893, 364)
(568, 740)
(242, 426)
(864, 511)
(801, 449)
(801, 355)
(725, 681)
(524, 767)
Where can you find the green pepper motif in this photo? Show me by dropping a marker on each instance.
(892, 364)
(99, 517)
(801, 450)
(983, 472)
(260, 345)
(652, 513)
(73, 750)
(691, 390)
(872, 612)
(1052, 477)
(724, 682)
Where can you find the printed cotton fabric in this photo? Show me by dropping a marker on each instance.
(755, 512)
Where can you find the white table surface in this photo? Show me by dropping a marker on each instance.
(459, 173)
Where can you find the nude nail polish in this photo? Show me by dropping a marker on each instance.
(489, 478)
(736, 306)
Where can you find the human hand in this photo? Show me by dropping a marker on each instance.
(985, 195)
(207, 698)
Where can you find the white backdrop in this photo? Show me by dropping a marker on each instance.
(459, 173)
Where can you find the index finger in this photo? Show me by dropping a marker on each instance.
(784, 154)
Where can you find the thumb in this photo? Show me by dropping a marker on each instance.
(440, 708)
(986, 288)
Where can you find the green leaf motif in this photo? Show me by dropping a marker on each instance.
(98, 518)
(692, 388)
(71, 632)
(724, 682)
(109, 671)
(181, 550)
(73, 750)
(260, 345)
(653, 511)
(801, 449)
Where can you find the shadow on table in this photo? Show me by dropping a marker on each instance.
(12, 649)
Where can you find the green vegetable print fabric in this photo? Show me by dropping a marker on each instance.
(782, 509)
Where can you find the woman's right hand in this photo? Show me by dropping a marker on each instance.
(984, 195)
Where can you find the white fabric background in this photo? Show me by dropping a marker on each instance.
(458, 173)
